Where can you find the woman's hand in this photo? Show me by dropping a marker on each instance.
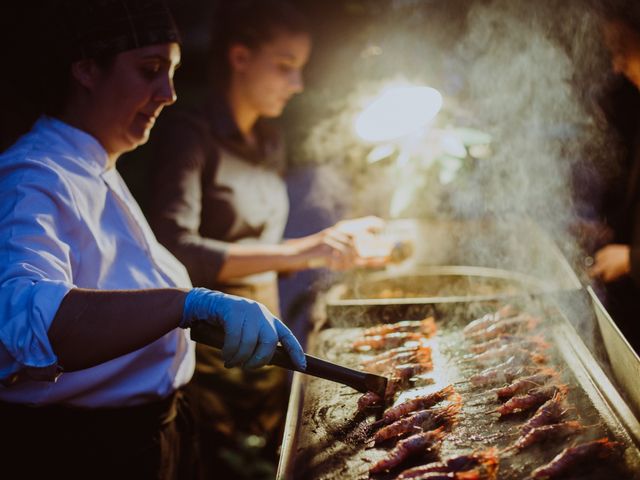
(611, 263)
(328, 248)
(340, 247)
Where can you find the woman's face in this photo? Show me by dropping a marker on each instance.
(129, 95)
(268, 76)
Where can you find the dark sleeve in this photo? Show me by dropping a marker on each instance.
(634, 260)
(181, 155)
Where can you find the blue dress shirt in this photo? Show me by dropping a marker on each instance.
(68, 221)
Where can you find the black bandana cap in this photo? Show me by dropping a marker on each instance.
(99, 28)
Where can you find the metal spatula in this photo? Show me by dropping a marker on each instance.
(361, 381)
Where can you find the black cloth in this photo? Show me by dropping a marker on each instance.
(98, 28)
(152, 441)
(621, 207)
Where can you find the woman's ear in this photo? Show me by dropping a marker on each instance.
(239, 56)
(85, 72)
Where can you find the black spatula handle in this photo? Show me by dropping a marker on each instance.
(361, 381)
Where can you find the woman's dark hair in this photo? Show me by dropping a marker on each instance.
(251, 23)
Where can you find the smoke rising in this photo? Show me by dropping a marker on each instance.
(528, 73)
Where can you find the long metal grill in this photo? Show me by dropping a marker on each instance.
(334, 440)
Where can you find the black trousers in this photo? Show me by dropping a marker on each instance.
(152, 441)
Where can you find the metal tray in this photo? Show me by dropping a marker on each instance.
(413, 292)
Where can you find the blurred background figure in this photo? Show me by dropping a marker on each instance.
(617, 263)
(220, 204)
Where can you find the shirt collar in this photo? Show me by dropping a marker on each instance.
(86, 145)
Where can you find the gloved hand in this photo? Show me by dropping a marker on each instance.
(251, 331)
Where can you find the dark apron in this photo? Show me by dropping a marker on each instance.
(231, 404)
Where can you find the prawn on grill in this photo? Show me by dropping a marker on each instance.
(549, 412)
(506, 372)
(390, 354)
(368, 400)
(546, 432)
(533, 399)
(486, 459)
(427, 327)
(500, 354)
(371, 399)
(521, 323)
(524, 384)
(489, 319)
(414, 445)
(531, 342)
(407, 371)
(420, 356)
(419, 403)
(424, 419)
(467, 475)
(392, 340)
(572, 458)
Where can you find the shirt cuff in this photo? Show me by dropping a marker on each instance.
(24, 335)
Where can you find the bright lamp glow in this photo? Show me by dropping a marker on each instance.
(398, 112)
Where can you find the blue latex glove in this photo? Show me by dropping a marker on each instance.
(251, 331)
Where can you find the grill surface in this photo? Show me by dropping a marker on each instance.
(330, 441)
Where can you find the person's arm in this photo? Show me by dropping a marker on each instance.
(333, 247)
(328, 247)
(182, 155)
(93, 326)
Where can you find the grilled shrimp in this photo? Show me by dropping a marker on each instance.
(426, 327)
(545, 432)
(533, 399)
(489, 319)
(378, 342)
(468, 475)
(420, 355)
(571, 457)
(425, 419)
(505, 372)
(418, 403)
(369, 399)
(502, 353)
(549, 412)
(390, 354)
(396, 383)
(521, 323)
(488, 459)
(531, 342)
(525, 384)
(405, 372)
(413, 445)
